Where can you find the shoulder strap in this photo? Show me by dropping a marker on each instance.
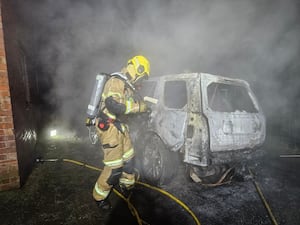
(123, 77)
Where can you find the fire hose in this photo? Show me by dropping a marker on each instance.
(130, 206)
(262, 197)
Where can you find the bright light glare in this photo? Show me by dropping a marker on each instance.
(53, 133)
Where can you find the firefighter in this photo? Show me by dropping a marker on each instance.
(118, 99)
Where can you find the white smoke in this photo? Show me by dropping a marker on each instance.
(249, 39)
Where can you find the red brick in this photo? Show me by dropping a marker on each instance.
(2, 54)
(2, 57)
(3, 73)
(13, 165)
(8, 132)
(3, 157)
(7, 138)
(7, 163)
(3, 77)
(4, 180)
(3, 166)
(5, 100)
(11, 156)
(4, 187)
(3, 81)
(5, 112)
(13, 171)
(7, 150)
(14, 180)
(2, 145)
(3, 173)
(9, 144)
(4, 93)
(5, 106)
(3, 87)
(6, 125)
(3, 67)
(6, 119)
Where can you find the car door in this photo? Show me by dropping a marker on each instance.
(234, 116)
(169, 115)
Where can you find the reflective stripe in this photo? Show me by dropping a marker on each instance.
(112, 116)
(124, 127)
(129, 154)
(131, 106)
(113, 163)
(127, 181)
(128, 106)
(100, 192)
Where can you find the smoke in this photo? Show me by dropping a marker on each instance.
(253, 40)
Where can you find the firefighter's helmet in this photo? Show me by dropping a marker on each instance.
(141, 67)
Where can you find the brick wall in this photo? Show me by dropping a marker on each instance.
(9, 173)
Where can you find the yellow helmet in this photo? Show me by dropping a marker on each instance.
(141, 66)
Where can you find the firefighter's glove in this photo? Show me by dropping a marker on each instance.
(143, 106)
(89, 122)
(136, 97)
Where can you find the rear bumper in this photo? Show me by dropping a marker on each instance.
(236, 156)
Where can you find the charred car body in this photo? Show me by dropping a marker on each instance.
(200, 119)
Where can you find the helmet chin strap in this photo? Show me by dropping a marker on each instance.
(137, 79)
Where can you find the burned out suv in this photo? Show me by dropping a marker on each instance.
(202, 120)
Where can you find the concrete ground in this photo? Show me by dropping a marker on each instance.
(60, 193)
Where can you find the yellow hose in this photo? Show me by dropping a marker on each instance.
(140, 221)
(173, 198)
(130, 206)
(82, 164)
(264, 200)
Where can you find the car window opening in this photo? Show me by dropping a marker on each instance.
(175, 94)
(229, 98)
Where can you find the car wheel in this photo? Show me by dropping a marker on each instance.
(158, 164)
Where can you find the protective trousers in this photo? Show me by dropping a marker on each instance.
(118, 161)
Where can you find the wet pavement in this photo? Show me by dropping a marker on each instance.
(60, 193)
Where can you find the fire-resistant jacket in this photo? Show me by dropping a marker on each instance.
(121, 96)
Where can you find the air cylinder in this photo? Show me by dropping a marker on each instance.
(93, 106)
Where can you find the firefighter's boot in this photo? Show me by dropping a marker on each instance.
(126, 184)
(104, 205)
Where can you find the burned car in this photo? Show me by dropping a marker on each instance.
(204, 121)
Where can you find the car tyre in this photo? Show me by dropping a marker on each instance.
(157, 164)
